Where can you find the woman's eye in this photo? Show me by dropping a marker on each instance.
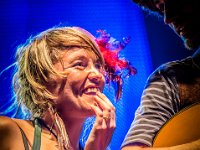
(98, 66)
(79, 64)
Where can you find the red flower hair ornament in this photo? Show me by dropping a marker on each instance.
(116, 68)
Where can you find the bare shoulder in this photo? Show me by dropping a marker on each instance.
(7, 125)
(10, 134)
(8, 129)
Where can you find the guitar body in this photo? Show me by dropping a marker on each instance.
(184, 127)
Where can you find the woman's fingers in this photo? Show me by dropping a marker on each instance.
(107, 108)
(104, 98)
(98, 112)
(108, 111)
(104, 125)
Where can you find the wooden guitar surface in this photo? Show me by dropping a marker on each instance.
(184, 127)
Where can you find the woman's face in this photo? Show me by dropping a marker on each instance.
(84, 77)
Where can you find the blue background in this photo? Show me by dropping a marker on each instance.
(152, 43)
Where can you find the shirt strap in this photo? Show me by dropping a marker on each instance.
(25, 140)
(37, 134)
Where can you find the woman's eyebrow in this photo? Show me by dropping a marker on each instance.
(65, 64)
(77, 58)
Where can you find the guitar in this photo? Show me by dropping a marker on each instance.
(182, 128)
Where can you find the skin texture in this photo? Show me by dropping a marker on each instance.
(182, 16)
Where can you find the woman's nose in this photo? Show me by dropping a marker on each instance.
(94, 75)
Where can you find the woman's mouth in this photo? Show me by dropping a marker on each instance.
(91, 90)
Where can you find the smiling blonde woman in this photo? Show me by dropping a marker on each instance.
(59, 78)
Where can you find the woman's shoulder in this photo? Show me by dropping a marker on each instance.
(12, 123)
(6, 124)
(10, 134)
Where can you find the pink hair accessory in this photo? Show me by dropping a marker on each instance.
(114, 65)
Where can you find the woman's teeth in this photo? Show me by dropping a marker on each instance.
(91, 90)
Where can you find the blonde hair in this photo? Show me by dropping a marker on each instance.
(35, 61)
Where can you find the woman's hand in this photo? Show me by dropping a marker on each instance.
(104, 125)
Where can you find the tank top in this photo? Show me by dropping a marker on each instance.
(37, 136)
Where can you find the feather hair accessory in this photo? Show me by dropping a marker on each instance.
(116, 68)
